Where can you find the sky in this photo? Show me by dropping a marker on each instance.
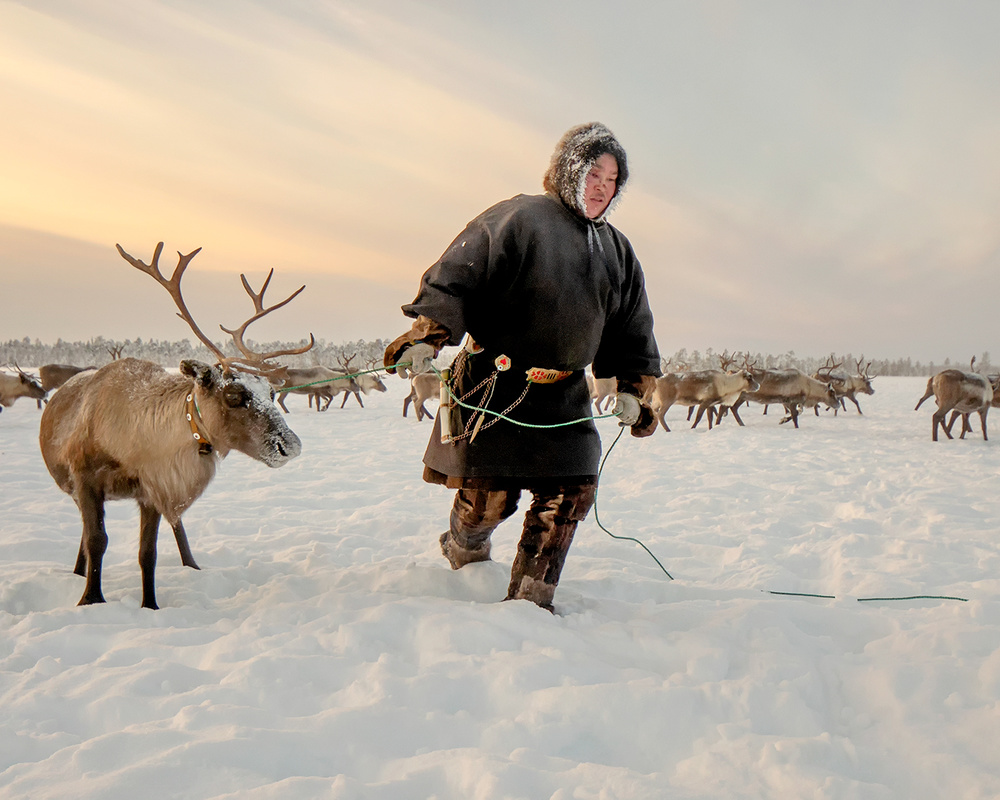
(806, 177)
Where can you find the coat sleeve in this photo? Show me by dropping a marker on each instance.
(423, 329)
(457, 281)
(628, 347)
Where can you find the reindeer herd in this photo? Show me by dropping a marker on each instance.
(133, 430)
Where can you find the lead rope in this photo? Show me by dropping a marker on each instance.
(597, 517)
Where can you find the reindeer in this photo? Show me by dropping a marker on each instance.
(363, 382)
(325, 383)
(966, 427)
(23, 384)
(704, 389)
(838, 381)
(962, 393)
(52, 376)
(847, 386)
(318, 382)
(131, 430)
(793, 389)
(423, 386)
(603, 392)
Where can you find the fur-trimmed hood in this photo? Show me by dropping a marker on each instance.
(574, 156)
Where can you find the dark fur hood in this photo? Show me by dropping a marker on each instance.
(573, 158)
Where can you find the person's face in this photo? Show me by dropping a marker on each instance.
(602, 182)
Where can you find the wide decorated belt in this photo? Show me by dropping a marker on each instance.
(532, 375)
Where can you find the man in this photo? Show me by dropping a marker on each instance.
(543, 286)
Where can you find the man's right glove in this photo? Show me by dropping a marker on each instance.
(416, 358)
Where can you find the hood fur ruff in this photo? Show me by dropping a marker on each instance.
(576, 153)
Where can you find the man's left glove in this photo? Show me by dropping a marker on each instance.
(633, 413)
(627, 409)
(417, 358)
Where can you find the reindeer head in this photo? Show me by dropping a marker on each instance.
(235, 397)
(30, 384)
(238, 412)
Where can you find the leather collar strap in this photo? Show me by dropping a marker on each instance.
(197, 431)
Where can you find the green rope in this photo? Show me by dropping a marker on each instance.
(873, 599)
(331, 380)
(914, 597)
(597, 517)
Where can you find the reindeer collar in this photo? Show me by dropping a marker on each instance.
(197, 431)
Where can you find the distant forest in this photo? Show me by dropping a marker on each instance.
(100, 351)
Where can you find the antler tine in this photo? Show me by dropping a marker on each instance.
(251, 359)
(173, 287)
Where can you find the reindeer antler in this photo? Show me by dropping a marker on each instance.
(829, 366)
(254, 361)
(251, 361)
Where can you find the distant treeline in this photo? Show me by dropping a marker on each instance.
(100, 351)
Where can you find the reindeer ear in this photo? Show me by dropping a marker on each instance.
(203, 374)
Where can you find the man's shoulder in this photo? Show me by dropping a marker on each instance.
(528, 211)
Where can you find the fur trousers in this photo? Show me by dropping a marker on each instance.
(549, 525)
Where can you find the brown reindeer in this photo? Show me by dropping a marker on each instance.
(603, 392)
(793, 389)
(133, 430)
(423, 386)
(962, 393)
(317, 382)
(52, 376)
(847, 386)
(361, 382)
(710, 390)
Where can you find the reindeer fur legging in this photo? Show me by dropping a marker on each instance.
(549, 525)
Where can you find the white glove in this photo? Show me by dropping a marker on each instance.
(415, 358)
(627, 409)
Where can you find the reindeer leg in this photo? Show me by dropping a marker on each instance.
(358, 396)
(736, 415)
(90, 500)
(938, 419)
(180, 536)
(982, 418)
(149, 525)
(281, 401)
(697, 419)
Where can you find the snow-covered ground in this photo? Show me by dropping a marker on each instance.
(325, 649)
